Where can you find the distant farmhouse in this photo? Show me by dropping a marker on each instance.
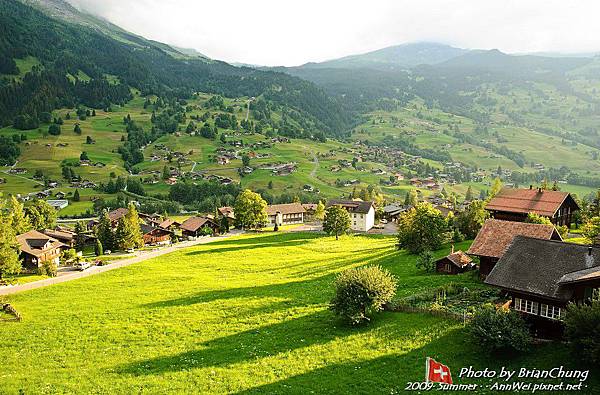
(285, 214)
(515, 204)
(543, 276)
(495, 236)
(362, 214)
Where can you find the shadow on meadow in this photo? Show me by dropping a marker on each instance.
(317, 328)
(317, 288)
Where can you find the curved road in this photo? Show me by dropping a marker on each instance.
(114, 265)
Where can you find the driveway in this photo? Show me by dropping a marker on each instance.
(140, 257)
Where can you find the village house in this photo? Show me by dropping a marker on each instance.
(58, 204)
(454, 263)
(496, 235)
(515, 204)
(227, 212)
(542, 276)
(37, 248)
(192, 227)
(362, 214)
(64, 235)
(391, 212)
(285, 214)
(310, 209)
(155, 236)
(170, 225)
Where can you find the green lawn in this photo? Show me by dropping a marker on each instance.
(243, 315)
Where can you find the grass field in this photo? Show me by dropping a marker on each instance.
(243, 315)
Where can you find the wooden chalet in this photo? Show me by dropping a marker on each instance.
(496, 235)
(192, 227)
(542, 276)
(285, 214)
(37, 247)
(63, 235)
(155, 236)
(454, 263)
(515, 204)
(228, 212)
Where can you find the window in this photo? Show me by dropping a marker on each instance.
(526, 306)
(552, 312)
(448, 268)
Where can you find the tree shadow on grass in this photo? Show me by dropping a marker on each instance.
(316, 289)
(284, 336)
(234, 245)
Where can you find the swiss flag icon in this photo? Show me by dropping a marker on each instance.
(437, 372)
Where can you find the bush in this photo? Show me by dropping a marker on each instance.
(582, 329)
(48, 268)
(426, 261)
(206, 231)
(362, 292)
(500, 331)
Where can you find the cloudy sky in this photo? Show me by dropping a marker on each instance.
(292, 32)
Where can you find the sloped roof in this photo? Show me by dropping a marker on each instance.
(146, 229)
(227, 211)
(168, 222)
(192, 224)
(526, 201)
(542, 267)
(353, 206)
(459, 258)
(289, 208)
(32, 243)
(60, 234)
(115, 215)
(496, 235)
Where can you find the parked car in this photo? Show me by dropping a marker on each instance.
(130, 250)
(82, 265)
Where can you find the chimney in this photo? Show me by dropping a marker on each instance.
(530, 186)
(539, 190)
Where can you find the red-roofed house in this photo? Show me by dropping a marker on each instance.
(496, 235)
(514, 205)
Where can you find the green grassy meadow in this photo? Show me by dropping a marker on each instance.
(243, 315)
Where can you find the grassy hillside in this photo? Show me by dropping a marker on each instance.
(229, 317)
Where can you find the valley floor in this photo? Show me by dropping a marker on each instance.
(244, 315)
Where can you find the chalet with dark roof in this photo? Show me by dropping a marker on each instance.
(496, 235)
(285, 214)
(192, 227)
(454, 263)
(362, 214)
(155, 236)
(542, 276)
(515, 204)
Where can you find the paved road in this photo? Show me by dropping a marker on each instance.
(114, 265)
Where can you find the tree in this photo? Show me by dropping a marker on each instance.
(76, 196)
(470, 221)
(534, 218)
(500, 331)
(9, 248)
(166, 174)
(250, 210)
(19, 221)
(89, 140)
(582, 329)
(79, 235)
(98, 250)
(224, 224)
(425, 261)
(362, 292)
(320, 211)
(245, 160)
(84, 156)
(54, 129)
(496, 187)
(411, 198)
(42, 215)
(104, 232)
(129, 233)
(421, 228)
(469, 194)
(591, 229)
(77, 129)
(336, 221)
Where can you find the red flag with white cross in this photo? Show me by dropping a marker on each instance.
(437, 372)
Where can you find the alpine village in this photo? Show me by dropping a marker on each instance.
(170, 223)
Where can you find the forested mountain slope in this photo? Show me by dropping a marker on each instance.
(80, 64)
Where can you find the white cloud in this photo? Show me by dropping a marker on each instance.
(279, 32)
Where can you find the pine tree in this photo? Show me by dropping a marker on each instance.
(129, 233)
(320, 211)
(98, 249)
(104, 232)
(79, 236)
(76, 196)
